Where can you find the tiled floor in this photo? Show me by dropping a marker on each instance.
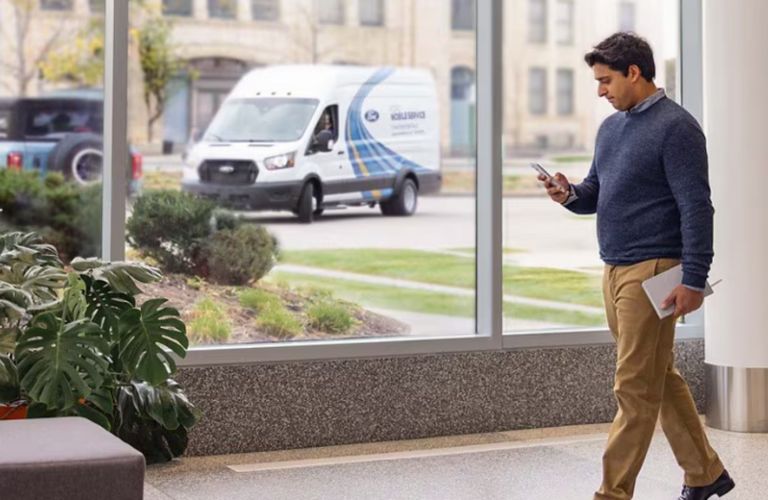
(561, 464)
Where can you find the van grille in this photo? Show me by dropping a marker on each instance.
(229, 172)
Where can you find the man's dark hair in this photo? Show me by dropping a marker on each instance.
(621, 50)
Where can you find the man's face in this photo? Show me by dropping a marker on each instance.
(614, 86)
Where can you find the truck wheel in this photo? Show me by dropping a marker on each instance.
(305, 209)
(79, 157)
(403, 202)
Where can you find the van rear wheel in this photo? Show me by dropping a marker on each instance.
(305, 209)
(403, 202)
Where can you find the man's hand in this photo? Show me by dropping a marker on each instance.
(558, 193)
(684, 299)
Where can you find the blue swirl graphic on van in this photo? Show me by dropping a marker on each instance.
(370, 157)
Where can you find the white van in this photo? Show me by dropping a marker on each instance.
(308, 138)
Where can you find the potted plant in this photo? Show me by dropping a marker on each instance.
(75, 342)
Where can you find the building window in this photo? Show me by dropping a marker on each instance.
(537, 20)
(265, 10)
(177, 7)
(565, 22)
(463, 14)
(222, 9)
(537, 91)
(564, 91)
(330, 12)
(371, 12)
(56, 4)
(626, 16)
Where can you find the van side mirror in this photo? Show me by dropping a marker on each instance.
(323, 141)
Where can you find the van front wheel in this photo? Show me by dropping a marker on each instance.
(305, 209)
(403, 202)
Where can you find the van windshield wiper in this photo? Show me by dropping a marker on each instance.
(215, 137)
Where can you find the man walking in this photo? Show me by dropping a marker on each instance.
(649, 186)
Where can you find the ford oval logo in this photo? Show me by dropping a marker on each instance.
(226, 169)
(371, 115)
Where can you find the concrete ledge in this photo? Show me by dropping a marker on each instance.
(277, 406)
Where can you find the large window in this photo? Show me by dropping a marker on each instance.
(330, 11)
(463, 14)
(265, 10)
(565, 22)
(222, 9)
(564, 91)
(537, 91)
(177, 7)
(552, 269)
(371, 12)
(537, 21)
(343, 168)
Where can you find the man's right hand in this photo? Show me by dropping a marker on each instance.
(558, 192)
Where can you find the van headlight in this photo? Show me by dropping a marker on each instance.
(286, 160)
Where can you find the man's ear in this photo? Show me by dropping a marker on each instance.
(634, 73)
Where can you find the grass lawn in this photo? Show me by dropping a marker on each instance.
(428, 267)
(422, 301)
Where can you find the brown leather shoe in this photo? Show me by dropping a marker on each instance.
(720, 487)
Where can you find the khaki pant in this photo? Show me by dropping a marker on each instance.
(648, 384)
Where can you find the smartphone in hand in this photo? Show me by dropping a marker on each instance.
(550, 178)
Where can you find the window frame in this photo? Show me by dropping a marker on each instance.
(211, 10)
(489, 334)
(538, 70)
(559, 91)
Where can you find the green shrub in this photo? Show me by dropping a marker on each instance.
(258, 299)
(240, 256)
(278, 321)
(331, 317)
(224, 219)
(65, 214)
(209, 324)
(171, 227)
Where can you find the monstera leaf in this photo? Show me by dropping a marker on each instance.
(144, 336)
(60, 362)
(26, 248)
(105, 305)
(155, 419)
(13, 302)
(122, 276)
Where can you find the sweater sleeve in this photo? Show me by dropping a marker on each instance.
(684, 156)
(586, 194)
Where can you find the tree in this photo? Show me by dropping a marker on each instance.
(81, 62)
(159, 64)
(25, 63)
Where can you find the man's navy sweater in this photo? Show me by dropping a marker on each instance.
(649, 186)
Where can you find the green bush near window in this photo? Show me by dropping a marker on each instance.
(63, 213)
(240, 256)
(189, 235)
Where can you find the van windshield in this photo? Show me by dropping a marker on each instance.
(261, 120)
